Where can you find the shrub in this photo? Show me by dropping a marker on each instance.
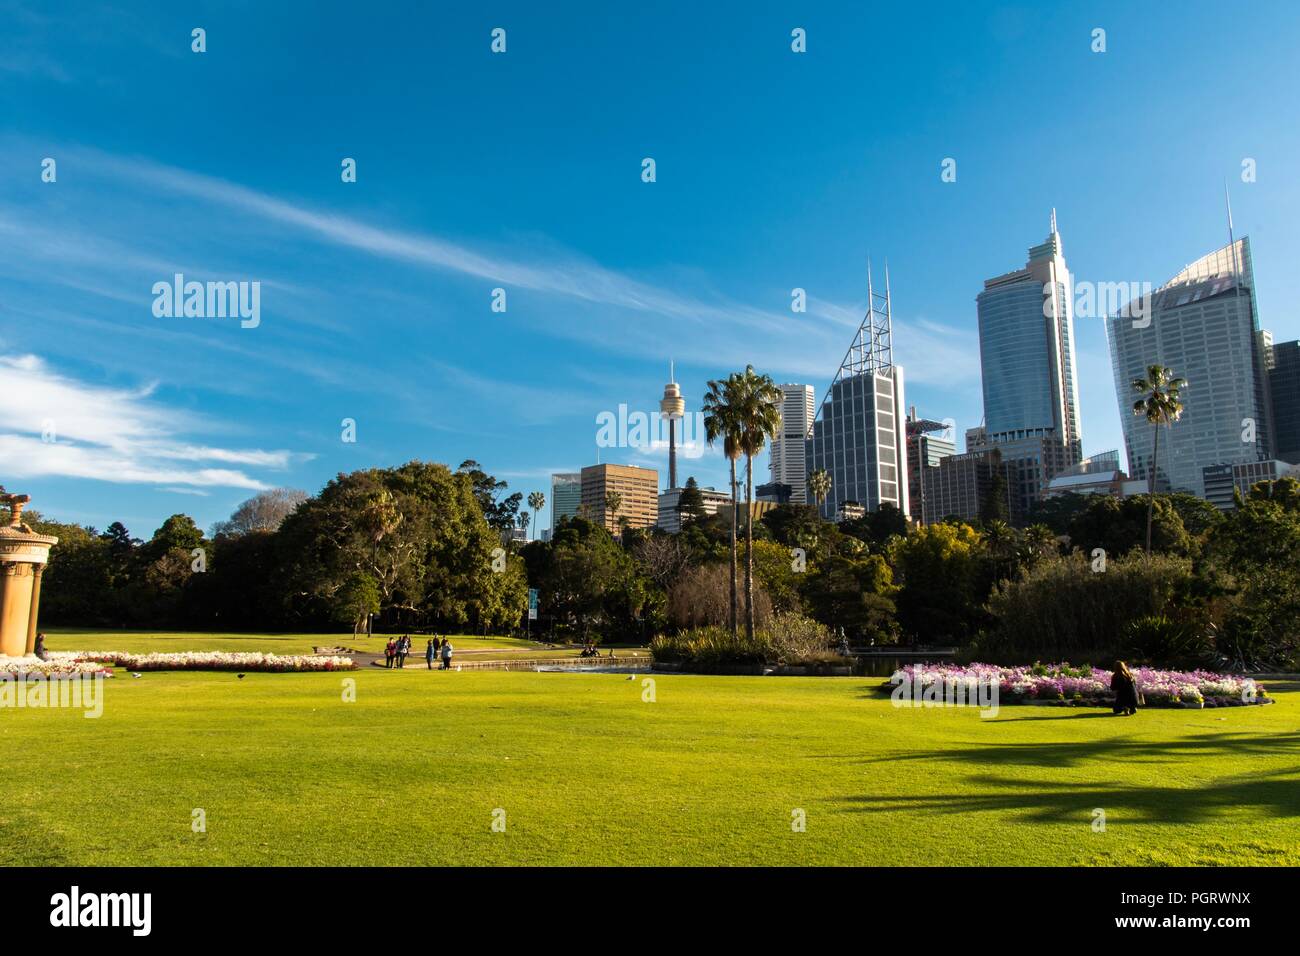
(711, 645)
(1063, 608)
(790, 639)
(1168, 642)
(796, 639)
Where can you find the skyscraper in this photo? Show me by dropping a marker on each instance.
(1284, 389)
(1031, 400)
(787, 452)
(1202, 325)
(926, 447)
(858, 435)
(638, 491)
(566, 496)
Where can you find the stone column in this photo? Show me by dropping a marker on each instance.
(37, 571)
(15, 605)
(23, 554)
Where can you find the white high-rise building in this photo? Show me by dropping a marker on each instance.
(787, 457)
(1203, 326)
(858, 435)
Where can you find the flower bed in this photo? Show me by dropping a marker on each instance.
(210, 661)
(1090, 686)
(19, 667)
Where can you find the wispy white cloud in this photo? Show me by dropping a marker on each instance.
(616, 312)
(54, 425)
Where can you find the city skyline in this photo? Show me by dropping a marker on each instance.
(376, 295)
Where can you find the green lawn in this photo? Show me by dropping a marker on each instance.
(588, 773)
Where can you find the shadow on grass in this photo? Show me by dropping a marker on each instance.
(1074, 753)
(1275, 795)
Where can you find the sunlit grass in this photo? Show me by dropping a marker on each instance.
(587, 772)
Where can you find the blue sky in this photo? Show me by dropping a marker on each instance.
(521, 170)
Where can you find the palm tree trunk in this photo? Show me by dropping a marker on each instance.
(735, 507)
(1151, 486)
(749, 548)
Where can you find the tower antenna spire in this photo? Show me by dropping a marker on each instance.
(672, 407)
(1053, 219)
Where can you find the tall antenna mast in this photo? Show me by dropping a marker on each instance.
(872, 349)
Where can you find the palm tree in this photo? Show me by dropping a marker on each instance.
(1000, 539)
(1161, 404)
(819, 483)
(613, 501)
(537, 501)
(760, 419)
(721, 421)
(1038, 541)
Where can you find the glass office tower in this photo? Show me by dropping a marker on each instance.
(1031, 400)
(787, 456)
(859, 435)
(1202, 325)
(566, 496)
(1284, 389)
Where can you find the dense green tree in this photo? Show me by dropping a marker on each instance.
(78, 581)
(500, 513)
(591, 587)
(854, 592)
(356, 600)
(1059, 511)
(690, 506)
(1284, 491)
(1118, 525)
(1254, 557)
(796, 525)
(420, 535)
(939, 570)
(877, 527)
(780, 574)
(1197, 515)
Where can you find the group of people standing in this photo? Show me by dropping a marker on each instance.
(399, 648)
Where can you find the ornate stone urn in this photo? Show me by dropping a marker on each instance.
(23, 554)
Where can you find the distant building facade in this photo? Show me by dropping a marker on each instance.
(670, 518)
(775, 492)
(959, 485)
(928, 442)
(1284, 390)
(637, 487)
(1097, 475)
(566, 496)
(1222, 481)
(787, 456)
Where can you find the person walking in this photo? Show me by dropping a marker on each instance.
(446, 654)
(390, 649)
(1125, 689)
(403, 648)
(429, 654)
(39, 648)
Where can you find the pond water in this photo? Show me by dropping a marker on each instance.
(866, 666)
(628, 667)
